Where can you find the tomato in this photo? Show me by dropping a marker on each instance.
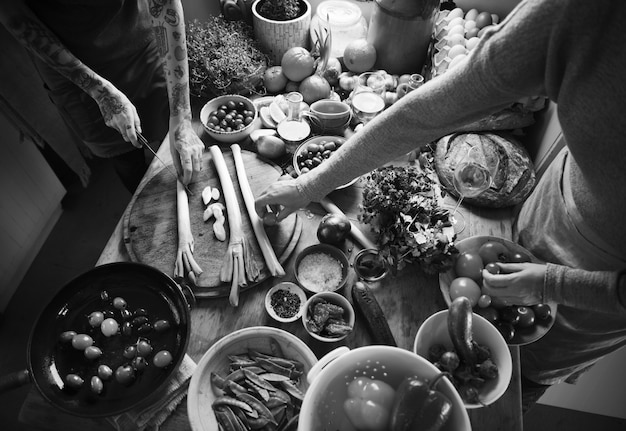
(519, 258)
(526, 316)
(493, 251)
(484, 301)
(369, 403)
(469, 265)
(333, 229)
(465, 286)
(493, 268)
(542, 311)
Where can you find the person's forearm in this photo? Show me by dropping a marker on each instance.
(169, 29)
(26, 27)
(590, 290)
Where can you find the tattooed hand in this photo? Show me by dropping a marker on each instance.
(119, 113)
(186, 148)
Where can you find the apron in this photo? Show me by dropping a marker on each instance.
(550, 227)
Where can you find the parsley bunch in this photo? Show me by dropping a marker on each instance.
(402, 207)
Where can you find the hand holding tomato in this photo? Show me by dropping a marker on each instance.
(517, 283)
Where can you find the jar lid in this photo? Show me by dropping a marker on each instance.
(339, 13)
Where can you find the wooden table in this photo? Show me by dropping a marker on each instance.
(406, 298)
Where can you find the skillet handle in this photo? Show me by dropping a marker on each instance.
(14, 380)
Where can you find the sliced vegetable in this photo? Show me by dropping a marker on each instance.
(186, 265)
(239, 265)
(273, 265)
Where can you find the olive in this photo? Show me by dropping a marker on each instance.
(139, 320)
(125, 374)
(96, 385)
(145, 328)
(108, 314)
(109, 327)
(81, 341)
(126, 314)
(93, 352)
(140, 312)
(104, 372)
(510, 315)
(104, 295)
(130, 352)
(331, 146)
(143, 348)
(127, 329)
(95, 318)
(162, 359)
(161, 325)
(140, 363)
(74, 381)
(67, 336)
(119, 303)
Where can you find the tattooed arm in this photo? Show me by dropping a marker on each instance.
(169, 30)
(118, 112)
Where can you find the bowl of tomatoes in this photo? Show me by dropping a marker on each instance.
(518, 324)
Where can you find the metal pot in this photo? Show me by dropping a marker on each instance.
(50, 360)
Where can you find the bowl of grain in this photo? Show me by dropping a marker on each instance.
(321, 268)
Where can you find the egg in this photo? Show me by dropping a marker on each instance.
(472, 32)
(471, 14)
(457, 29)
(471, 43)
(455, 39)
(483, 20)
(454, 13)
(495, 18)
(456, 61)
(456, 50)
(456, 21)
(469, 25)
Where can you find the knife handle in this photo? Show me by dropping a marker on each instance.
(375, 319)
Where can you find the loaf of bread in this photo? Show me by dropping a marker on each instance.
(515, 176)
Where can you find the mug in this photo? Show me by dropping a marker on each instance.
(328, 116)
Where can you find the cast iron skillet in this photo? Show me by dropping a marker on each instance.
(50, 360)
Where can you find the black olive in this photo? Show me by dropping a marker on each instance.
(127, 329)
(140, 312)
(145, 328)
(125, 374)
(130, 352)
(139, 320)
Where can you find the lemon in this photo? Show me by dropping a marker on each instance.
(270, 147)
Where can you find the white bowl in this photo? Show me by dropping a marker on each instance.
(291, 288)
(333, 298)
(322, 407)
(326, 249)
(223, 136)
(200, 396)
(317, 140)
(434, 330)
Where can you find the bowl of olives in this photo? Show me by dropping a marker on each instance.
(315, 151)
(229, 118)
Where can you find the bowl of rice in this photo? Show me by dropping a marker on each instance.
(321, 268)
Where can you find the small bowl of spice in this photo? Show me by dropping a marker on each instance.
(328, 317)
(284, 302)
(321, 268)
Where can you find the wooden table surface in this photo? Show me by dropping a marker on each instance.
(406, 298)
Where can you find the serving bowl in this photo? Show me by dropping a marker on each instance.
(230, 104)
(261, 339)
(520, 335)
(316, 150)
(322, 407)
(316, 322)
(277, 305)
(321, 268)
(434, 331)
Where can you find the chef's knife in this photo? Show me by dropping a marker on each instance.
(144, 142)
(365, 301)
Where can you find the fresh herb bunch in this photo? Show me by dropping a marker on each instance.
(401, 204)
(280, 10)
(224, 57)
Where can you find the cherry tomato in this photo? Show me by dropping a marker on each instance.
(510, 315)
(469, 265)
(493, 268)
(526, 316)
(542, 311)
(369, 403)
(519, 258)
(493, 251)
(484, 301)
(465, 286)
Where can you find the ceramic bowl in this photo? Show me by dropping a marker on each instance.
(272, 307)
(434, 330)
(303, 156)
(333, 298)
(217, 359)
(311, 278)
(223, 136)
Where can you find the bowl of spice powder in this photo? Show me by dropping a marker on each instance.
(284, 302)
(321, 268)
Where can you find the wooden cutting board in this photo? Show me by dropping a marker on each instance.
(150, 226)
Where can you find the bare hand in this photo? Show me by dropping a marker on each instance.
(283, 196)
(119, 113)
(517, 283)
(186, 149)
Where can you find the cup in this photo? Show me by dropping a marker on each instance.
(328, 116)
(368, 97)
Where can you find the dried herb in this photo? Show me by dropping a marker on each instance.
(280, 10)
(224, 57)
(402, 206)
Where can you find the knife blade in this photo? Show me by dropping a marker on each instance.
(144, 142)
(375, 320)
